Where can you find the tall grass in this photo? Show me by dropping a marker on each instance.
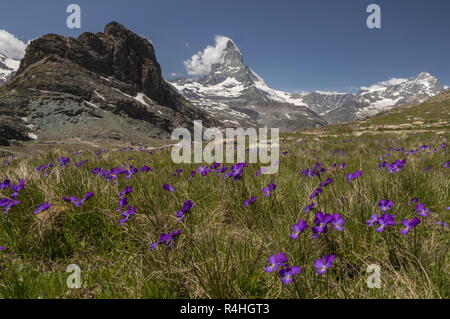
(224, 246)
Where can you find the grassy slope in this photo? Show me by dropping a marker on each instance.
(224, 245)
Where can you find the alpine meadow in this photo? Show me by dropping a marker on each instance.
(119, 178)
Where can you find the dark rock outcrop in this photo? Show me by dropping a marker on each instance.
(96, 86)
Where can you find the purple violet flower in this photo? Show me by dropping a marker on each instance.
(309, 207)
(385, 221)
(250, 201)
(42, 207)
(268, 189)
(338, 222)
(321, 222)
(64, 161)
(287, 274)
(420, 208)
(385, 205)
(372, 220)
(298, 228)
(324, 263)
(409, 225)
(169, 188)
(315, 193)
(325, 183)
(185, 209)
(78, 202)
(166, 239)
(276, 261)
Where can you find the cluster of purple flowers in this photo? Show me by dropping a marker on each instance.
(78, 202)
(269, 188)
(340, 166)
(184, 210)
(236, 172)
(385, 220)
(278, 263)
(14, 191)
(322, 221)
(44, 169)
(316, 170)
(353, 176)
(126, 210)
(394, 167)
(114, 173)
(64, 161)
(203, 170)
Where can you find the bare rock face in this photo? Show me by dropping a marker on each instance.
(96, 86)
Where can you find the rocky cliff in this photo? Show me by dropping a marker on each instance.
(99, 86)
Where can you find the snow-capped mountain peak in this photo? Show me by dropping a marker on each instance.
(237, 95)
(8, 67)
(233, 92)
(386, 95)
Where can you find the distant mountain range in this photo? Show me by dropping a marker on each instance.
(109, 86)
(236, 95)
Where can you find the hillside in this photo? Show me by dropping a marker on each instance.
(104, 86)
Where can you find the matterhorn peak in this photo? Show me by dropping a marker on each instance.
(423, 75)
(230, 66)
(232, 55)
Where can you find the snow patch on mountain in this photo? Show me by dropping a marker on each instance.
(8, 67)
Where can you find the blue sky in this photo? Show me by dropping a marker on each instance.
(293, 44)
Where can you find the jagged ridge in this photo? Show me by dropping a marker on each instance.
(104, 85)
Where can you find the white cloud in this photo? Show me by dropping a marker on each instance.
(174, 74)
(201, 63)
(384, 84)
(11, 46)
